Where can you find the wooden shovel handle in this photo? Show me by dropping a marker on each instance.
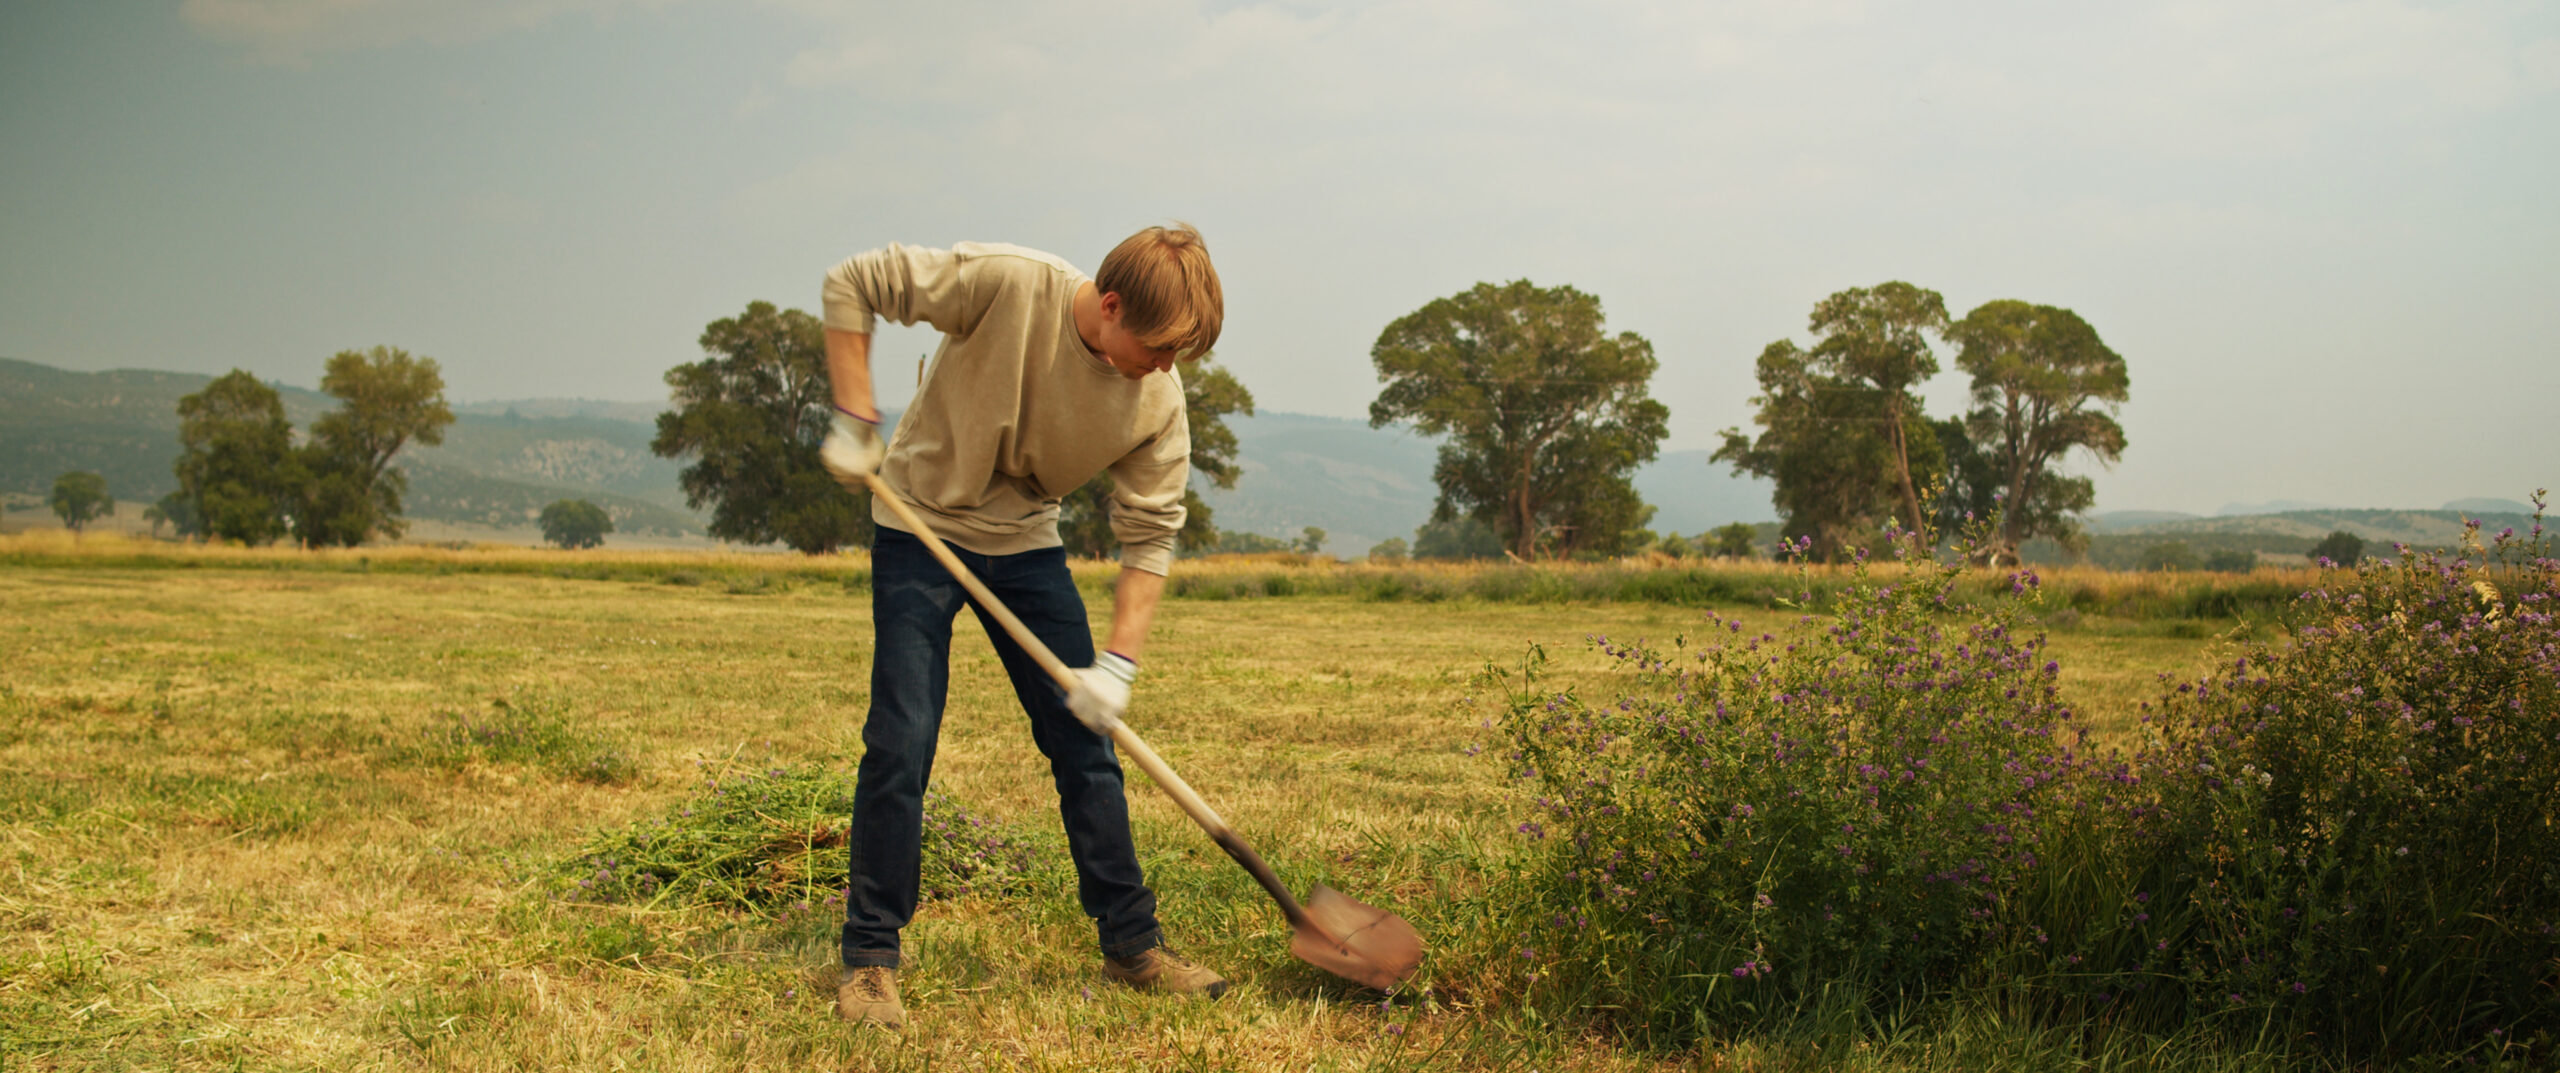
(1121, 735)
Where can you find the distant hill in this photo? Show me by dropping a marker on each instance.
(2428, 528)
(2117, 521)
(1358, 484)
(121, 424)
(2487, 505)
(1363, 485)
(645, 413)
(2282, 537)
(491, 470)
(2272, 506)
(590, 453)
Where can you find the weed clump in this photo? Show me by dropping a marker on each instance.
(2348, 838)
(1760, 819)
(758, 840)
(2363, 823)
(757, 585)
(533, 734)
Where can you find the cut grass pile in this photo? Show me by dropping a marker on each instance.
(282, 818)
(772, 840)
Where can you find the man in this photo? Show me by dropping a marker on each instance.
(1044, 379)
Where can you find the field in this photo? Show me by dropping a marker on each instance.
(269, 811)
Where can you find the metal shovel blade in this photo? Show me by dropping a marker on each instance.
(1358, 942)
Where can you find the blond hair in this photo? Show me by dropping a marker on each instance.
(1169, 294)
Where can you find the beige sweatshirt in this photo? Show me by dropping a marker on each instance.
(1014, 412)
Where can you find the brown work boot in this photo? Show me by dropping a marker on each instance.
(869, 995)
(1160, 969)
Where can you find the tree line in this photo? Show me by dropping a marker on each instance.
(1544, 413)
(1547, 416)
(1844, 438)
(244, 477)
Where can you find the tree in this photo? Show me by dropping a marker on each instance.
(1252, 543)
(2043, 385)
(2172, 556)
(177, 512)
(1877, 335)
(1310, 541)
(1732, 540)
(2231, 561)
(79, 498)
(575, 523)
(236, 468)
(1547, 415)
(1457, 538)
(386, 399)
(1824, 444)
(1390, 550)
(751, 414)
(1968, 487)
(2340, 547)
(1209, 394)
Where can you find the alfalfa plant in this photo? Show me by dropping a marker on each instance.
(1759, 823)
(2364, 820)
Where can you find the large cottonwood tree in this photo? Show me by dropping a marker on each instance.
(1880, 335)
(751, 414)
(387, 399)
(1843, 436)
(2044, 385)
(1546, 413)
(237, 474)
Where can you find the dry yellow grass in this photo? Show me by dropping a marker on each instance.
(222, 849)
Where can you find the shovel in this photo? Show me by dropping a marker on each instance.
(1330, 930)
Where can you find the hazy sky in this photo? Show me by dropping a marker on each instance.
(2324, 235)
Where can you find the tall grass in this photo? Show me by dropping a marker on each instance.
(2265, 593)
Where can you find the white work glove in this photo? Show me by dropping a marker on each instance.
(852, 451)
(1101, 695)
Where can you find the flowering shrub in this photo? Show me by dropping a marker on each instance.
(760, 840)
(2363, 818)
(1760, 819)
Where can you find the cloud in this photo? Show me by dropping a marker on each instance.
(293, 31)
(1724, 94)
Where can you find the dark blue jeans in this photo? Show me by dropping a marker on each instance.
(913, 603)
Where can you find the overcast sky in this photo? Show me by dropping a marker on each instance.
(2323, 235)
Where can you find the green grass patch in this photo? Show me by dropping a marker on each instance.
(534, 733)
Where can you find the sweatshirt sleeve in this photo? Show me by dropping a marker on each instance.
(1146, 498)
(905, 284)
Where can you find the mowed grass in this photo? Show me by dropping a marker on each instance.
(256, 819)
